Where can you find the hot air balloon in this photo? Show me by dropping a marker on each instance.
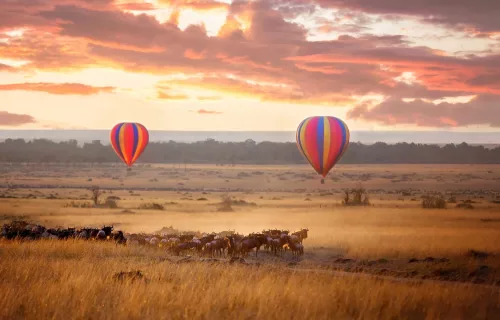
(129, 140)
(322, 140)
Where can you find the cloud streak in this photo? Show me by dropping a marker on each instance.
(204, 111)
(14, 120)
(58, 88)
(482, 15)
(480, 110)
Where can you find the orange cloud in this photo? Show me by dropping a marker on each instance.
(244, 60)
(137, 6)
(203, 111)
(209, 98)
(47, 52)
(231, 27)
(14, 120)
(57, 88)
(166, 96)
(198, 5)
(325, 70)
(4, 67)
(191, 54)
(326, 28)
(272, 92)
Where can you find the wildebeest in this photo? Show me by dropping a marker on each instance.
(250, 242)
(217, 246)
(212, 244)
(296, 248)
(102, 234)
(301, 235)
(119, 238)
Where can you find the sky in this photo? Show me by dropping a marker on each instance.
(250, 65)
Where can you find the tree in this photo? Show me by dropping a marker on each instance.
(96, 193)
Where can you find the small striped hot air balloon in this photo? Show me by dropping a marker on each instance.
(322, 140)
(129, 140)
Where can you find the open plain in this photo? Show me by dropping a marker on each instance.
(384, 258)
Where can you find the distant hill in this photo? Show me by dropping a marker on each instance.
(247, 152)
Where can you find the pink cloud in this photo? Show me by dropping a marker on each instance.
(203, 111)
(14, 120)
(482, 110)
(57, 88)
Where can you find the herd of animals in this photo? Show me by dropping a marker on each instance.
(227, 243)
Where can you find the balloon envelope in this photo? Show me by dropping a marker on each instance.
(129, 140)
(322, 141)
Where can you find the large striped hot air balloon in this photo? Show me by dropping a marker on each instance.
(129, 140)
(322, 141)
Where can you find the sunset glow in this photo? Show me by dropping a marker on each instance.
(249, 65)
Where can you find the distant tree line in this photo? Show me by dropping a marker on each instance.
(248, 152)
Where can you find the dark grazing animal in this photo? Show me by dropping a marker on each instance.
(250, 242)
(301, 235)
(296, 248)
(119, 238)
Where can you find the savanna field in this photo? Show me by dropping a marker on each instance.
(386, 257)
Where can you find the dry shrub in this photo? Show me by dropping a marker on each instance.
(112, 204)
(242, 202)
(433, 202)
(465, 205)
(226, 204)
(356, 197)
(151, 206)
(75, 204)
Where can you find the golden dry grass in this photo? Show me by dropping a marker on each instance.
(57, 279)
(60, 280)
(361, 232)
(279, 177)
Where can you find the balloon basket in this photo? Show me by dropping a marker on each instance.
(129, 169)
(322, 181)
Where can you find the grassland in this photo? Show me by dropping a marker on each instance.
(391, 259)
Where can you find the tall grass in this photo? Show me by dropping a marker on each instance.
(60, 280)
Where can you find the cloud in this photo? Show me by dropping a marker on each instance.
(481, 110)
(263, 91)
(4, 67)
(166, 96)
(308, 72)
(26, 13)
(137, 6)
(203, 111)
(343, 21)
(262, 52)
(198, 5)
(480, 14)
(57, 88)
(113, 27)
(44, 51)
(208, 98)
(191, 54)
(13, 120)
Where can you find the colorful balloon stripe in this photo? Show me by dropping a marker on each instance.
(322, 141)
(129, 140)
